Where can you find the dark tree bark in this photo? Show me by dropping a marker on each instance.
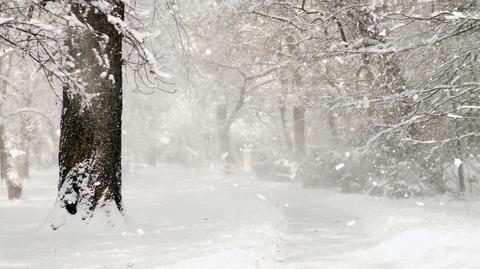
(90, 140)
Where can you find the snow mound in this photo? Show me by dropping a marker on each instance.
(428, 249)
(231, 258)
(252, 247)
(107, 219)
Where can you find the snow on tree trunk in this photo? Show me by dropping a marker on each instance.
(13, 182)
(460, 168)
(14, 185)
(90, 140)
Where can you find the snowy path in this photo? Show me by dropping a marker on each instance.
(346, 231)
(178, 218)
(182, 219)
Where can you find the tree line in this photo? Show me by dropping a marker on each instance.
(372, 96)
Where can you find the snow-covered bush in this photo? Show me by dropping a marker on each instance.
(403, 180)
(272, 168)
(366, 174)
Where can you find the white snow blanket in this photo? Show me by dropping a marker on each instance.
(179, 218)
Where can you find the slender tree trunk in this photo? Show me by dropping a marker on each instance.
(332, 124)
(459, 149)
(224, 137)
(90, 139)
(299, 126)
(283, 117)
(14, 185)
(22, 162)
(460, 168)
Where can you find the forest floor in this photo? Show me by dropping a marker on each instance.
(182, 218)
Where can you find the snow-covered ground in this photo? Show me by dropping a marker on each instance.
(180, 218)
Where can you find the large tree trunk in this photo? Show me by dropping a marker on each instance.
(90, 140)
